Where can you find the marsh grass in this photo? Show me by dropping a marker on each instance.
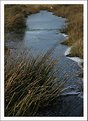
(15, 16)
(30, 83)
(74, 14)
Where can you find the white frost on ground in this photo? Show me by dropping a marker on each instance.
(76, 59)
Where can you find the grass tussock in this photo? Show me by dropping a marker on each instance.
(77, 49)
(14, 18)
(30, 83)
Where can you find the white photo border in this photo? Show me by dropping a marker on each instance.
(84, 118)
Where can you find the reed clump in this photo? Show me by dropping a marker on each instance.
(30, 83)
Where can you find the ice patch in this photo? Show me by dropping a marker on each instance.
(65, 35)
(67, 51)
(76, 59)
(71, 93)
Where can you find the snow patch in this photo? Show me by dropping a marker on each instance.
(76, 59)
(67, 51)
(65, 35)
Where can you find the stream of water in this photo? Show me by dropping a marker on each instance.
(43, 31)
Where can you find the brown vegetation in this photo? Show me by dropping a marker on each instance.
(31, 84)
(74, 14)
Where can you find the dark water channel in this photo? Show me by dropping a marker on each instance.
(43, 31)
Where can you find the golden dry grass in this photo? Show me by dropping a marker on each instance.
(74, 14)
(31, 83)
